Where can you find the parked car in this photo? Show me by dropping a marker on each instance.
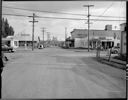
(7, 48)
(115, 50)
(40, 46)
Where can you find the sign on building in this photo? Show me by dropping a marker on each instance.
(25, 34)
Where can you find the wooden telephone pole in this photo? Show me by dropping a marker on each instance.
(43, 29)
(65, 35)
(1, 61)
(88, 21)
(33, 21)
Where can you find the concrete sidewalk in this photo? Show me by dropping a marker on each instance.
(104, 58)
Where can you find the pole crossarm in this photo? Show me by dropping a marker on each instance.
(33, 21)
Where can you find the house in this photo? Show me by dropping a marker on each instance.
(10, 41)
(107, 37)
(19, 40)
(25, 40)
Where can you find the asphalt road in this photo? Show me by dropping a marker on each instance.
(60, 73)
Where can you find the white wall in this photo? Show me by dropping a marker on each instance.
(116, 41)
(81, 42)
(13, 44)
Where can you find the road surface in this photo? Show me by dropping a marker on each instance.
(60, 73)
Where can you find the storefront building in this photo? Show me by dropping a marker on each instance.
(107, 37)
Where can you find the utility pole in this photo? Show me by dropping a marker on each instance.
(88, 21)
(43, 29)
(48, 38)
(33, 21)
(65, 35)
(1, 61)
(126, 29)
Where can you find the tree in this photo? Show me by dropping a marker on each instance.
(3, 27)
(11, 31)
(6, 29)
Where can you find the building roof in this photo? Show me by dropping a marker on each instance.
(83, 30)
(123, 24)
(6, 39)
(24, 38)
(94, 33)
(9, 38)
(19, 38)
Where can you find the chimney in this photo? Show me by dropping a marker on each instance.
(108, 27)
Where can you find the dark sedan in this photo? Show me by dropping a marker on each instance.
(7, 48)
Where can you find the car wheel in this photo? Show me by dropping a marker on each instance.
(9, 50)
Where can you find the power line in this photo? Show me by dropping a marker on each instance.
(43, 11)
(60, 12)
(78, 18)
(105, 10)
(63, 18)
(15, 15)
(119, 12)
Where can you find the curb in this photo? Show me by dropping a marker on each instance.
(113, 63)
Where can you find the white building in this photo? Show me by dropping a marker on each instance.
(107, 37)
(25, 39)
(81, 43)
(19, 40)
(11, 41)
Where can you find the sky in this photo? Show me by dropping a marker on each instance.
(56, 27)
